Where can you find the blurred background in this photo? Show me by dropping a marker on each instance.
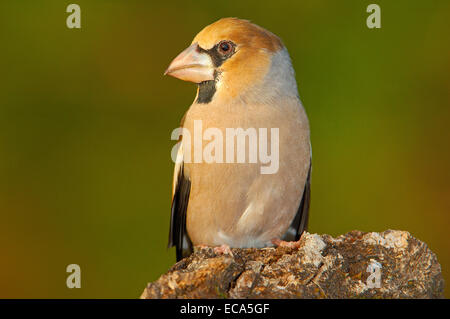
(86, 117)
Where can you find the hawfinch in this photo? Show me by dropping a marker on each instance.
(246, 84)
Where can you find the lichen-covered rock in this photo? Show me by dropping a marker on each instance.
(392, 264)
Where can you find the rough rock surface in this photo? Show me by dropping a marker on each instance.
(323, 267)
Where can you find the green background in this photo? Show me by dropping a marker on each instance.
(86, 117)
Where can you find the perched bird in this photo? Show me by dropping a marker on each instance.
(245, 80)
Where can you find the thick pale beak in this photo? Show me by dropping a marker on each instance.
(191, 65)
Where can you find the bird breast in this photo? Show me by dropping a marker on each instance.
(234, 203)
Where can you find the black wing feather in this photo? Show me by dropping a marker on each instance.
(178, 236)
(300, 222)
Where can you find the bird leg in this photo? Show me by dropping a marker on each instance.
(290, 244)
(223, 250)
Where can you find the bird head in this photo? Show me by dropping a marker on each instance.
(234, 58)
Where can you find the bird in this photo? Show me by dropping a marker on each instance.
(245, 79)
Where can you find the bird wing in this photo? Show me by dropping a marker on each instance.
(300, 222)
(178, 236)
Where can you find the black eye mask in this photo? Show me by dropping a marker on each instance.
(218, 56)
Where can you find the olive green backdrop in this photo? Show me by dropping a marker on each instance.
(86, 117)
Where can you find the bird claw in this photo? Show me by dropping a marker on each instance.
(289, 244)
(223, 250)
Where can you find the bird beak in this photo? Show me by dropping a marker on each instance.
(192, 65)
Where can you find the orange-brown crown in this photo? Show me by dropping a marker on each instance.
(242, 32)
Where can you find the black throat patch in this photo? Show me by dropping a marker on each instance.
(206, 91)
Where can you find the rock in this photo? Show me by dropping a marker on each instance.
(322, 267)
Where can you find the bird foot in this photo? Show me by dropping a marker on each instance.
(290, 244)
(223, 250)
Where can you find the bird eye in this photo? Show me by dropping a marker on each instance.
(225, 47)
